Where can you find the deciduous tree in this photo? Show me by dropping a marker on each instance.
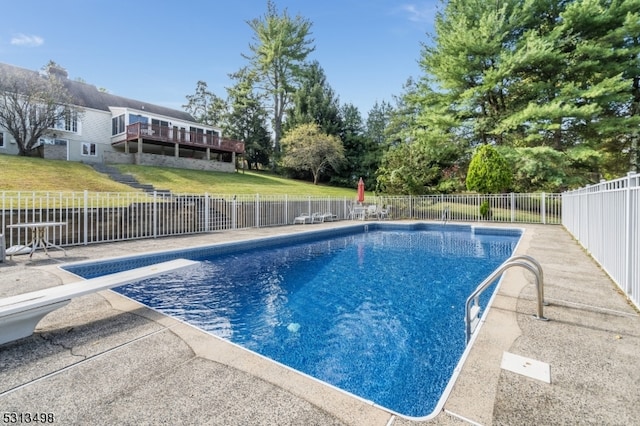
(33, 104)
(307, 148)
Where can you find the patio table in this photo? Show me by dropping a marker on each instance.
(39, 236)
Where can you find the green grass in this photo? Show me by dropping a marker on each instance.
(199, 182)
(36, 174)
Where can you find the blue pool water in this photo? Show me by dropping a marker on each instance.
(378, 314)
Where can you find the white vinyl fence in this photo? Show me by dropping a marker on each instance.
(605, 219)
(95, 217)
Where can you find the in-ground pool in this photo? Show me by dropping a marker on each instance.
(376, 310)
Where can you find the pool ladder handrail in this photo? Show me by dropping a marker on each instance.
(472, 306)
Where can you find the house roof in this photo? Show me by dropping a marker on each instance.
(88, 96)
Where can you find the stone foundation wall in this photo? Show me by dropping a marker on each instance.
(168, 161)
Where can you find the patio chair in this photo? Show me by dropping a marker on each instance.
(383, 213)
(329, 217)
(372, 211)
(304, 218)
(357, 212)
(317, 218)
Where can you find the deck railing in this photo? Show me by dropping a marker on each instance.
(183, 137)
(605, 219)
(96, 217)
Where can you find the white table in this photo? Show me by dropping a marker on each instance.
(39, 236)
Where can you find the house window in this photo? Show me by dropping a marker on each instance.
(135, 118)
(198, 134)
(89, 149)
(211, 136)
(68, 122)
(2, 140)
(117, 125)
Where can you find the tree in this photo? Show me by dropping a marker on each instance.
(422, 158)
(307, 148)
(488, 171)
(545, 73)
(205, 106)
(33, 104)
(281, 45)
(248, 119)
(357, 149)
(463, 63)
(314, 102)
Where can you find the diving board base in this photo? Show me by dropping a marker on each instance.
(22, 324)
(20, 314)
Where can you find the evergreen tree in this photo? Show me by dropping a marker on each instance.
(205, 106)
(281, 46)
(314, 102)
(357, 149)
(535, 73)
(248, 119)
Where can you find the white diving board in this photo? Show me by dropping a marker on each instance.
(20, 314)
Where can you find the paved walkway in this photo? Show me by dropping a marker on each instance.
(103, 359)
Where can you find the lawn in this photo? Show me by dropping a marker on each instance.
(36, 174)
(200, 182)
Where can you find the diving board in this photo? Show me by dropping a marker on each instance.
(20, 314)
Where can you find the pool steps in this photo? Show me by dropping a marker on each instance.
(472, 306)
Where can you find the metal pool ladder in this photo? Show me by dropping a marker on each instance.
(472, 306)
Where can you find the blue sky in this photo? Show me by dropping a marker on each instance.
(156, 51)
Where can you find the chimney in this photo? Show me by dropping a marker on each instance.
(58, 72)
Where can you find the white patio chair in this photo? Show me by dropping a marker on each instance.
(304, 218)
(317, 218)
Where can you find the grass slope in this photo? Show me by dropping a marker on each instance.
(199, 182)
(36, 174)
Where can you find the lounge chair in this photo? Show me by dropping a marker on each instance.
(304, 218)
(317, 218)
(329, 217)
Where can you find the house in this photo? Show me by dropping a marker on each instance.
(116, 130)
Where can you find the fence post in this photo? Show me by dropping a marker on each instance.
(411, 207)
(2, 248)
(155, 214)
(628, 240)
(207, 219)
(543, 208)
(286, 209)
(257, 201)
(234, 214)
(86, 217)
(513, 207)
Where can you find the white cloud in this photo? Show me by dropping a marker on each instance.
(420, 13)
(27, 40)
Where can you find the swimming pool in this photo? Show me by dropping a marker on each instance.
(378, 314)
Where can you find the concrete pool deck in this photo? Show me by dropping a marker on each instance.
(104, 359)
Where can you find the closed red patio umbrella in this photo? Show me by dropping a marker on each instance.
(360, 190)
